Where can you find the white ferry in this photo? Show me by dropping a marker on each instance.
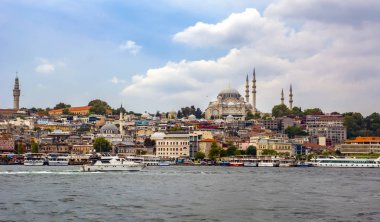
(55, 159)
(346, 162)
(34, 159)
(113, 163)
(269, 162)
(286, 162)
(250, 163)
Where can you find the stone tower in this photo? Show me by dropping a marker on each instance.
(291, 98)
(16, 95)
(282, 97)
(254, 110)
(121, 121)
(247, 90)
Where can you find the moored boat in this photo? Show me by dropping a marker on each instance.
(251, 163)
(34, 159)
(346, 162)
(55, 159)
(113, 163)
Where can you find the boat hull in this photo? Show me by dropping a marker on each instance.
(33, 163)
(250, 164)
(92, 168)
(58, 163)
(347, 165)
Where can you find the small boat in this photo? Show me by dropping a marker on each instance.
(34, 159)
(113, 163)
(224, 163)
(55, 159)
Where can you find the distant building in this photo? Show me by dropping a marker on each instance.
(361, 145)
(281, 147)
(173, 146)
(329, 126)
(205, 145)
(7, 143)
(82, 110)
(16, 95)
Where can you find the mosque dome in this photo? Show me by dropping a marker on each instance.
(229, 118)
(229, 92)
(109, 129)
(146, 115)
(192, 117)
(157, 135)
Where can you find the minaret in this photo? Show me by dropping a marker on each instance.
(121, 121)
(247, 90)
(254, 110)
(282, 97)
(16, 94)
(291, 98)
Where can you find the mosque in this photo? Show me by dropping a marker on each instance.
(231, 105)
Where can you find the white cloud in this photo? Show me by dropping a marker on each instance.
(331, 65)
(130, 46)
(46, 67)
(116, 80)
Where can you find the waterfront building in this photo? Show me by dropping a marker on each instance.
(280, 146)
(173, 145)
(110, 133)
(82, 149)
(329, 126)
(205, 145)
(361, 145)
(6, 143)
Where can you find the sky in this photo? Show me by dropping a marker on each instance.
(166, 54)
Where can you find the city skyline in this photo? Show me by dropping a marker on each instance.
(75, 52)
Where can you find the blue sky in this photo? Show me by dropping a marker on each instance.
(161, 55)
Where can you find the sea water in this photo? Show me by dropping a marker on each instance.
(189, 193)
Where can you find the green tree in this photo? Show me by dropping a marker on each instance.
(34, 147)
(268, 152)
(149, 143)
(251, 150)
(280, 110)
(214, 152)
(373, 124)
(20, 149)
(231, 150)
(66, 111)
(102, 145)
(118, 110)
(297, 111)
(62, 105)
(198, 113)
(199, 155)
(249, 116)
(99, 107)
(293, 131)
(355, 124)
(313, 111)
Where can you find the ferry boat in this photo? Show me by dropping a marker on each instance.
(287, 162)
(55, 159)
(113, 163)
(269, 162)
(34, 159)
(346, 162)
(236, 163)
(251, 163)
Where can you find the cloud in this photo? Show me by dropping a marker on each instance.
(130, 46)
(350, 12)
(46, 67)
(116, 80)
(331, 65)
